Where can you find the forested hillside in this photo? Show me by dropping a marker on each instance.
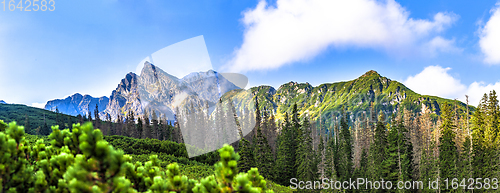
(357, 95)
(458, 149)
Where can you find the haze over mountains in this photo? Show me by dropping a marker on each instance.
(157, 90)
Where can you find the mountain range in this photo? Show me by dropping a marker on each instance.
(77, 104)
(153, 89)
(2, 102)
(157, 90)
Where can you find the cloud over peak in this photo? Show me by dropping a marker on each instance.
(298, 30)
(437, 81)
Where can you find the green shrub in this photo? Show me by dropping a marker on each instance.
(82, 161)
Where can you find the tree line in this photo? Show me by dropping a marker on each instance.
(403, 147)
(149, 125)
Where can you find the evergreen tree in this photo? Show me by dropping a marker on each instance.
(97, 119)
(161, 128)
(130, 130)
(377, 153)
(492, 141)
(263, 155)
(272, 133)
(479, 159)
(405, 157)
(485, 141)
(345, 150)
(45, 130)
(263, 158)
(79, 118)
(448, 153)
(362, 170)
(109, 125)
(119, 125)
(306, 159)
(27, 124)
(391, 162)
(70, 123)
(464, 164)
(399, 161)
(154, 126)
(247, 159)
(285, 162)
(139, 128)
(147, 126)
(59, 119)
(89, 116)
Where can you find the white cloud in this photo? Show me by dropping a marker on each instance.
(297, 30)
(478, 89)
(489, 38)
(38, 105)
(435, 80)
(439, 44)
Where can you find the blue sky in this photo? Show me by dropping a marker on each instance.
(440, 47)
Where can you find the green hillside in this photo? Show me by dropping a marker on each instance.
(37, 117)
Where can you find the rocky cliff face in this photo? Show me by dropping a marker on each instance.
(154, 90)
(124, 98)
(157, 90)
(77, 104)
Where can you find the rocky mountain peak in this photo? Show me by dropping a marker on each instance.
(157, 90)
(371, 73)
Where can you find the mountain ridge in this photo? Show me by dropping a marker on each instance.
(357, 95)
(156, 89)
(77, 104)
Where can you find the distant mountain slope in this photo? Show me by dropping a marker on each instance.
(2, 102)
(77, 104)
(357, 95)
(37, 116)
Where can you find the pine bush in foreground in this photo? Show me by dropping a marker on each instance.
(81, 161)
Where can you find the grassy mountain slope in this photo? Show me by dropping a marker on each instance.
(357, 95)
